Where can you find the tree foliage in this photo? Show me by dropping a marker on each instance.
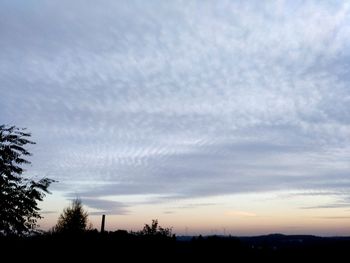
(19, 196)
(73, 220)
(155, 230)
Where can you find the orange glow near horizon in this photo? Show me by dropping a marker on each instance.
(245, 214)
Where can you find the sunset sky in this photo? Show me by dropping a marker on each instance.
(226, 117)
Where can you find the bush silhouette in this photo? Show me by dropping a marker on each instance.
(154, 230)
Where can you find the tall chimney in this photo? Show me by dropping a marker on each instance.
(103, 223)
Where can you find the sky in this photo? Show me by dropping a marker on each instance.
(212, 116)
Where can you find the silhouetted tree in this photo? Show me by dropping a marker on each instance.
(155, 230)
(73, 220)
(19, 210)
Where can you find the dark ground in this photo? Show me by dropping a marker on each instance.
(120, 246)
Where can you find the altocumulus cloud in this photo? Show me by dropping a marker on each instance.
(181, 99)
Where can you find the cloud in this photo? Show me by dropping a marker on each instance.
(333, 217)
(168, 212)
(327, 206)
(240, 214)
(195, 205)
(105, 206)
(180, 99)
(315, 193)
(45, 212)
